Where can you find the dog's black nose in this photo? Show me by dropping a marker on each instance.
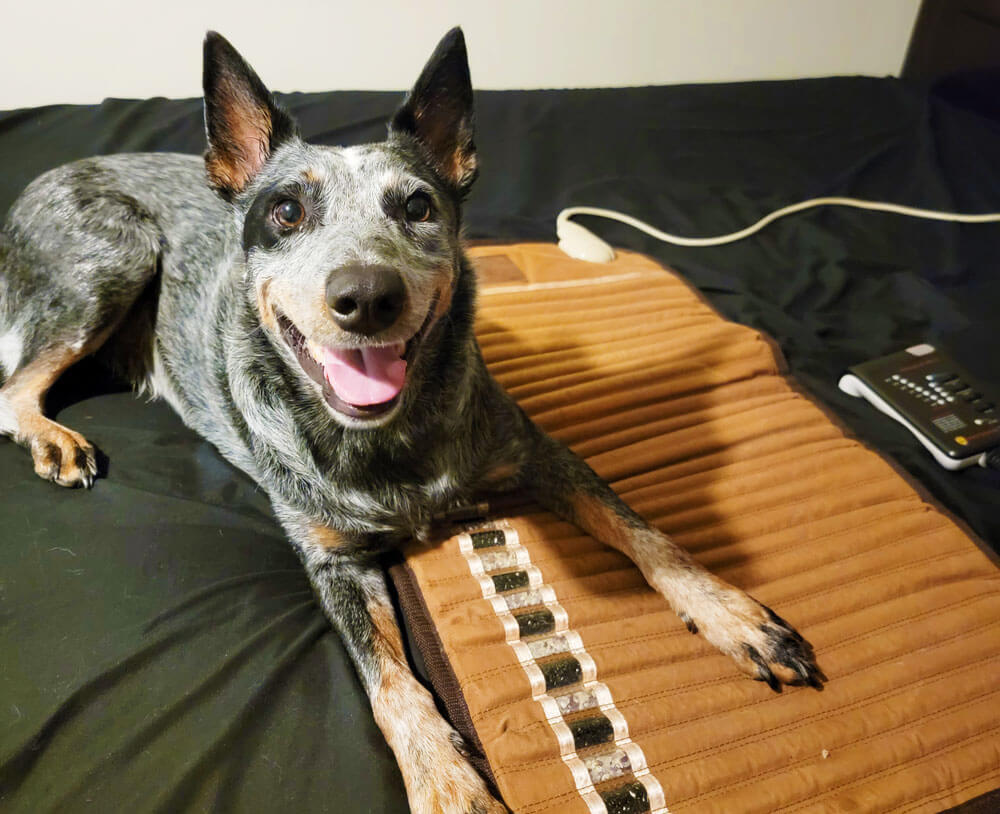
(365, 299)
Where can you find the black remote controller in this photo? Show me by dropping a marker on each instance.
(956, 417)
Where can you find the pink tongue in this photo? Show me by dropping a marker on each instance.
(365, 376)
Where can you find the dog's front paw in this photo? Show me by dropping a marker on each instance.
(63, 456)
(762, 644)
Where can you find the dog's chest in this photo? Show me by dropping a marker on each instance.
(398, 493)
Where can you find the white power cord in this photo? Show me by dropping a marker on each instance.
(579, 242)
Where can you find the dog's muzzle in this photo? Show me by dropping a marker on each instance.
(362, 382)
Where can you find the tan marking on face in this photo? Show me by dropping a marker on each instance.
(445, 289)
(306, 307)
(264, 307)
(310, 176)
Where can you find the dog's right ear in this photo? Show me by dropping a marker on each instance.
(243, 123)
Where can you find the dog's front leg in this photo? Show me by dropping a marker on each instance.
(762, 643)
(353, 593)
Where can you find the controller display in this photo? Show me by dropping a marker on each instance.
(952, 414)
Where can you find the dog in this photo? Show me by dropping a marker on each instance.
(309, 310)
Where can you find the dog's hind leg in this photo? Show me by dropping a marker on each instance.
(74, 256)
(61, 455)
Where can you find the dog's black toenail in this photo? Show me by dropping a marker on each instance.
(763, 671)
(688, 622)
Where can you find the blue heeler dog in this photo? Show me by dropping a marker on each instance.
(309, 310)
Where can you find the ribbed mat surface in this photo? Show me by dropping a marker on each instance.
(690, 420)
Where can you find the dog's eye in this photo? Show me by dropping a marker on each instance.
(418, 207)
(288, 213)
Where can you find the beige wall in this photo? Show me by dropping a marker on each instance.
(71, 51)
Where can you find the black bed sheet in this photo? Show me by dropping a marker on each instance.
(159, 647)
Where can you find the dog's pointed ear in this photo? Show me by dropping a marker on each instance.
(438, 113)
(243, 123)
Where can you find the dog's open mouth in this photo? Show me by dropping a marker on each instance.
(363, 382)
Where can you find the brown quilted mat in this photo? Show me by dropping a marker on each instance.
(587, 694)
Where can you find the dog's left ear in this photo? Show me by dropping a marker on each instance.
(243, 122)
(438, 113)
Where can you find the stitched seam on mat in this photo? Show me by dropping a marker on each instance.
(716, 748)
(780, 550)
(741, 466)
(805, 421)
(680, 633)
(689, 420)
(950, 745)
(911, 501)
(927, 798)
(727, 679)
(665, 518)
(617, 358)
(826, 649)
(732, 786)
(799, 723)
(606, 324)
(781, 506)
(549, 414)
(731, 469)
(698, 488)
(859, 580)
(774, 550)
